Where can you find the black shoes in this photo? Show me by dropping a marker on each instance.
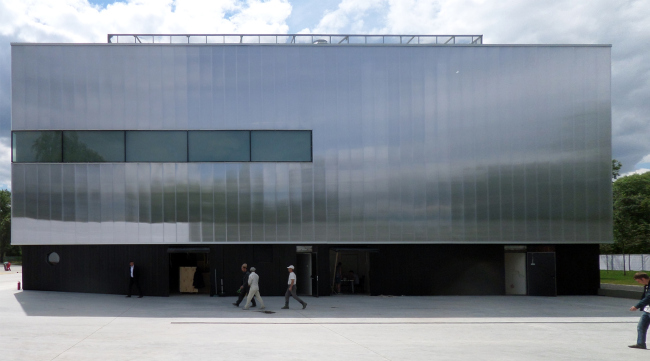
(235, 304)
(128, 296)
(286, 307)
(140, 296)
(638, 346)
(304, 305)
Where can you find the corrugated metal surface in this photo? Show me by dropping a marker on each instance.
(480, 144)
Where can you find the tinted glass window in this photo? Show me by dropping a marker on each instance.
(93, 146)
(219, 146)
(156, 146)
(37, 146)
(281, 146)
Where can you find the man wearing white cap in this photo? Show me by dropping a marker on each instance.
(253, 283)
(291, 290)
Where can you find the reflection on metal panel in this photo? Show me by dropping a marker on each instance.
(481, 144)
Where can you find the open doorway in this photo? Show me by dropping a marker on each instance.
(189, 270)
(307, 271)
(515, 270)
(354, 265)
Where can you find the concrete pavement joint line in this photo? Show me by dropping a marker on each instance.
(398, 323)
(94, 332)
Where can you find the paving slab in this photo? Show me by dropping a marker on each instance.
(38, 325)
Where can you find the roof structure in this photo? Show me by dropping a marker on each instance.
(296, 39)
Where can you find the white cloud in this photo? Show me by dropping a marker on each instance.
(352, 16)
(645, 159)
(638, 171)
(78, 21)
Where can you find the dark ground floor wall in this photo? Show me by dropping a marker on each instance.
(393, 269)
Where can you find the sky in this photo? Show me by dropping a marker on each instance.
(623, 24)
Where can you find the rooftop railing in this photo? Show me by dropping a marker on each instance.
(295, 39)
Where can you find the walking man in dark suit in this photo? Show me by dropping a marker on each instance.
(244, 288)
(134, 278)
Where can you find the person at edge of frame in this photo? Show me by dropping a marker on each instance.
(643, 306)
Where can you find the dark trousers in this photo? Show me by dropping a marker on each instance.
(243, 294)
(292, 293)
(135, 281)
(642, 328)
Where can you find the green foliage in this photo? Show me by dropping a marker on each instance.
(616, 166)
(631, 215)
(5, 222)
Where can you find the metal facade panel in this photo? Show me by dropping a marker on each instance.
(194, 201)
(444, 144)
(220, 196)
(207, 202)
(257, 202)
(157, 204)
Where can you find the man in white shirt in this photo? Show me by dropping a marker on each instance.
(254, 290)
(291, 290)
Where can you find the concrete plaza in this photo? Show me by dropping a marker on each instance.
(37, 325)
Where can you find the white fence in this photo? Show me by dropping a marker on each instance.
(633, 262)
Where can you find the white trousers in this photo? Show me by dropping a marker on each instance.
(254, 291)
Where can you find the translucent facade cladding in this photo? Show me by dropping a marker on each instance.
(411, 144)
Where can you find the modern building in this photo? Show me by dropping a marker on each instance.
(428, 165)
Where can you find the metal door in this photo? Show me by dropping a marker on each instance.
(314, 274)
(304, 272)
(540, 271)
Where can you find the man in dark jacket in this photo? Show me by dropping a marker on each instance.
(643, 306)
(134, 278)
(244, 288)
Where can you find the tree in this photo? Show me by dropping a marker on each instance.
(5, 223)
(616, 166)
(631, 214)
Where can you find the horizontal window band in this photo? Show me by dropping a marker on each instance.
(161, 146)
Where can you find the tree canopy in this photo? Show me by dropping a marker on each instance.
(631, 215)
(616, 167)
(5, 222)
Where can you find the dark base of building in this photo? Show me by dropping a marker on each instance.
(413, 269)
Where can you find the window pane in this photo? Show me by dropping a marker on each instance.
(42, 147)
(281, 146)
(156, 146)
(219, 146)
(93, 146)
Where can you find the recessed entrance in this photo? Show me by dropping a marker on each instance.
(354, 270)
(515, 264)
(189, 270)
